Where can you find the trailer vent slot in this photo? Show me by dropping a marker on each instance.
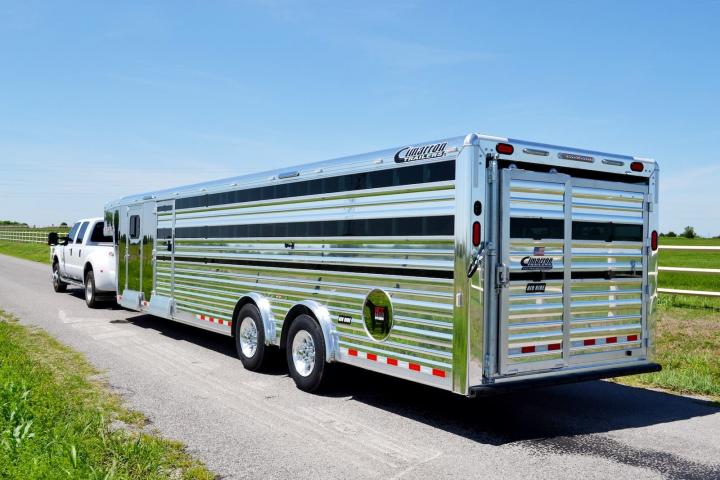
(288, 174)
(532, 151)
(576, 157)
(617, 163)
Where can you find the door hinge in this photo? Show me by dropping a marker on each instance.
(486, 370)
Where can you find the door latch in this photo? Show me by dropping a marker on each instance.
(502, 275)
(477, 261)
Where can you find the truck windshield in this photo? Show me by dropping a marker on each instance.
(97, 235)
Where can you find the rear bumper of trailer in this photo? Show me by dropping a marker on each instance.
(562, 377)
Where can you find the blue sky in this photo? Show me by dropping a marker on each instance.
(103, 99)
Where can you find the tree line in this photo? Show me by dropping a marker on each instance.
(688, 232)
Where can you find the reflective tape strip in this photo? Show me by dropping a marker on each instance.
(552, 347)
(416, 367)
(599, 342)
(219, 321)
(587, 342)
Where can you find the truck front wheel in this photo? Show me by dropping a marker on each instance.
(90, 292)
(58, 285)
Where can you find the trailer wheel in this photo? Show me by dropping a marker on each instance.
(90, 292)
(58, 285)
(305, 352)
(250, 337)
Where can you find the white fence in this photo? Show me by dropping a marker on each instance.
(702, 271)
(26, 235)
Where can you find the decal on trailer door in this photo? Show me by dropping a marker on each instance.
(537, 263)
(535, 288)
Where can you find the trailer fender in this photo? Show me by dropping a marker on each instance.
(263, 304)
(321, 314)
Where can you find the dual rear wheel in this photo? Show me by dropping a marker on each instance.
(304, 348)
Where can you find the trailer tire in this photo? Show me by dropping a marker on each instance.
(90, 291)
(250, 337)
(58, 285)
(305, 351)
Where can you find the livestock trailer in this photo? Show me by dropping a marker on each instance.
(472, 264)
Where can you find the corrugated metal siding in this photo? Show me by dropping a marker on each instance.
(422, 306)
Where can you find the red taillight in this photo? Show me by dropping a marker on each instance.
(654, 240)
(476, 234)
(504, 148)
(637, 166)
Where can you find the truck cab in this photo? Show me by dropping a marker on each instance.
(84, 258)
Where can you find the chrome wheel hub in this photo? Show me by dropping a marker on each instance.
(88, 291)
(248, 337)
(303, 353)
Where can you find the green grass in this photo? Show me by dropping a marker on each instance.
(689, 241)
(30, 251)
(688, 348)
(57, 423)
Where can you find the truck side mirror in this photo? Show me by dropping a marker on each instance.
(52, 239)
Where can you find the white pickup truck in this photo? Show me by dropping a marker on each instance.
(84, 258)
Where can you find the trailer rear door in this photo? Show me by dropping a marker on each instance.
(572, 274)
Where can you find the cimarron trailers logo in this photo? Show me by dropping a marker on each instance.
(536, 263)
(410, 154)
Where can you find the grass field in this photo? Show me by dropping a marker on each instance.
(56, 423)
(29, 251)
(688, 348)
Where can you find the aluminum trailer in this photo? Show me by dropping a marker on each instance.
(472, 264)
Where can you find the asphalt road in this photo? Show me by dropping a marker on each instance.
(190, 385)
